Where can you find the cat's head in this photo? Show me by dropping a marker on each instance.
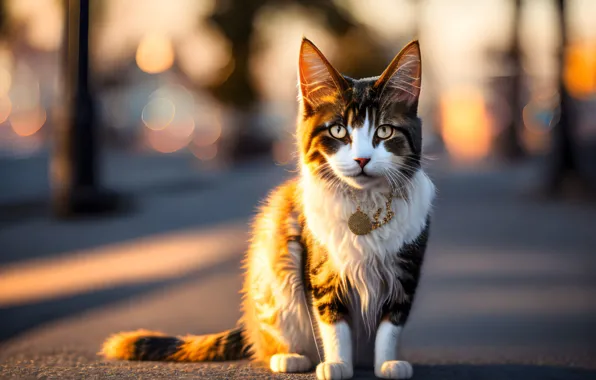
(360, 133)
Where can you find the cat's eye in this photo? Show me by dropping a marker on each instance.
(338, 131)
(384, 132)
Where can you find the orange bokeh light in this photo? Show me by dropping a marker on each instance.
(580, 69)
(465, 124)
(27, 123)
(164, 141)
(155, 53)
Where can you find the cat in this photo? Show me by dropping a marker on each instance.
(327, 285)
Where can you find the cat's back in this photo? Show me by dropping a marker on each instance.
(278, 209)
(278, 222)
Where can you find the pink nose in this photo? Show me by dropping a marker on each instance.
(362, 161)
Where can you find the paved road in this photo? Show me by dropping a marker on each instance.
(507, 290)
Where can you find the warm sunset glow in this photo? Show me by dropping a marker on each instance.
(27, 123)
(465, 125)
(5, 108)
(155, 53)
(580, 69)
(147, 259)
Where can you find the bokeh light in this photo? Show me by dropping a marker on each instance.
(205, 153)
(208, 133)
(580, 69)
(27, 123)
(155, 53)
(169, 112)
(465, 124)
(205, 56)
(43, 21)
(158, 113)
(182, 129)
(164, 141)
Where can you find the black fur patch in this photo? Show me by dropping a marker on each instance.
(156, 348)
(234, 347)
(412, 255)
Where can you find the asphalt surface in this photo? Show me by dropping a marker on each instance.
(507, 290)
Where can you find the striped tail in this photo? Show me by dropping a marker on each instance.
(149, 345)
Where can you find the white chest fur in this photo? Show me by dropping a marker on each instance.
(366, 260)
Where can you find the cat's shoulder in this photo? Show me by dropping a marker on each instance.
(282, 199)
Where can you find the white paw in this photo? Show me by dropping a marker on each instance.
(394, 369)
(289, 363)
(334, 371)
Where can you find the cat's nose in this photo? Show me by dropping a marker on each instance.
(362, 161)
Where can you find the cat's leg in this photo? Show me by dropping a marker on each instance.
(337, 343)
(335, 335)
(387, 365)
(396, 313)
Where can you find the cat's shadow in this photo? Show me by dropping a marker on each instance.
(492, 372)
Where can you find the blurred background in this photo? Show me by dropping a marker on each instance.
(137, 137)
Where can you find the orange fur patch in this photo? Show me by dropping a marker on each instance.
(122, 345)
(199, 348)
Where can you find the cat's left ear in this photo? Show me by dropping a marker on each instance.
(400, 82)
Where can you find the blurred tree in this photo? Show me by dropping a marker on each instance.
(564, 170)
(508, 142)
(235, 18)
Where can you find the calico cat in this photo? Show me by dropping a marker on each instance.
(336, 253)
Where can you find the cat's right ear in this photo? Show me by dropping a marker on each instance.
(319, 82)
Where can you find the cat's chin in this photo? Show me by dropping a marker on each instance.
(365, 182)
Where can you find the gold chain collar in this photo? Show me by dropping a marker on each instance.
(361, 224)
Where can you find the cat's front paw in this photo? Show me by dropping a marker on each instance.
(394, 369)
(334, 371)
(289, 363)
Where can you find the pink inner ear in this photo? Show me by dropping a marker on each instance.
(401, 81)
(317, 82)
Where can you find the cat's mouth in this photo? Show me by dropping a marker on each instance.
(362, 174)
(362, 180)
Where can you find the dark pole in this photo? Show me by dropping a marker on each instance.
(74, 166)
(564, 165)
(508, 142)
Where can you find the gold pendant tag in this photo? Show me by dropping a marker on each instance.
(359, 223)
